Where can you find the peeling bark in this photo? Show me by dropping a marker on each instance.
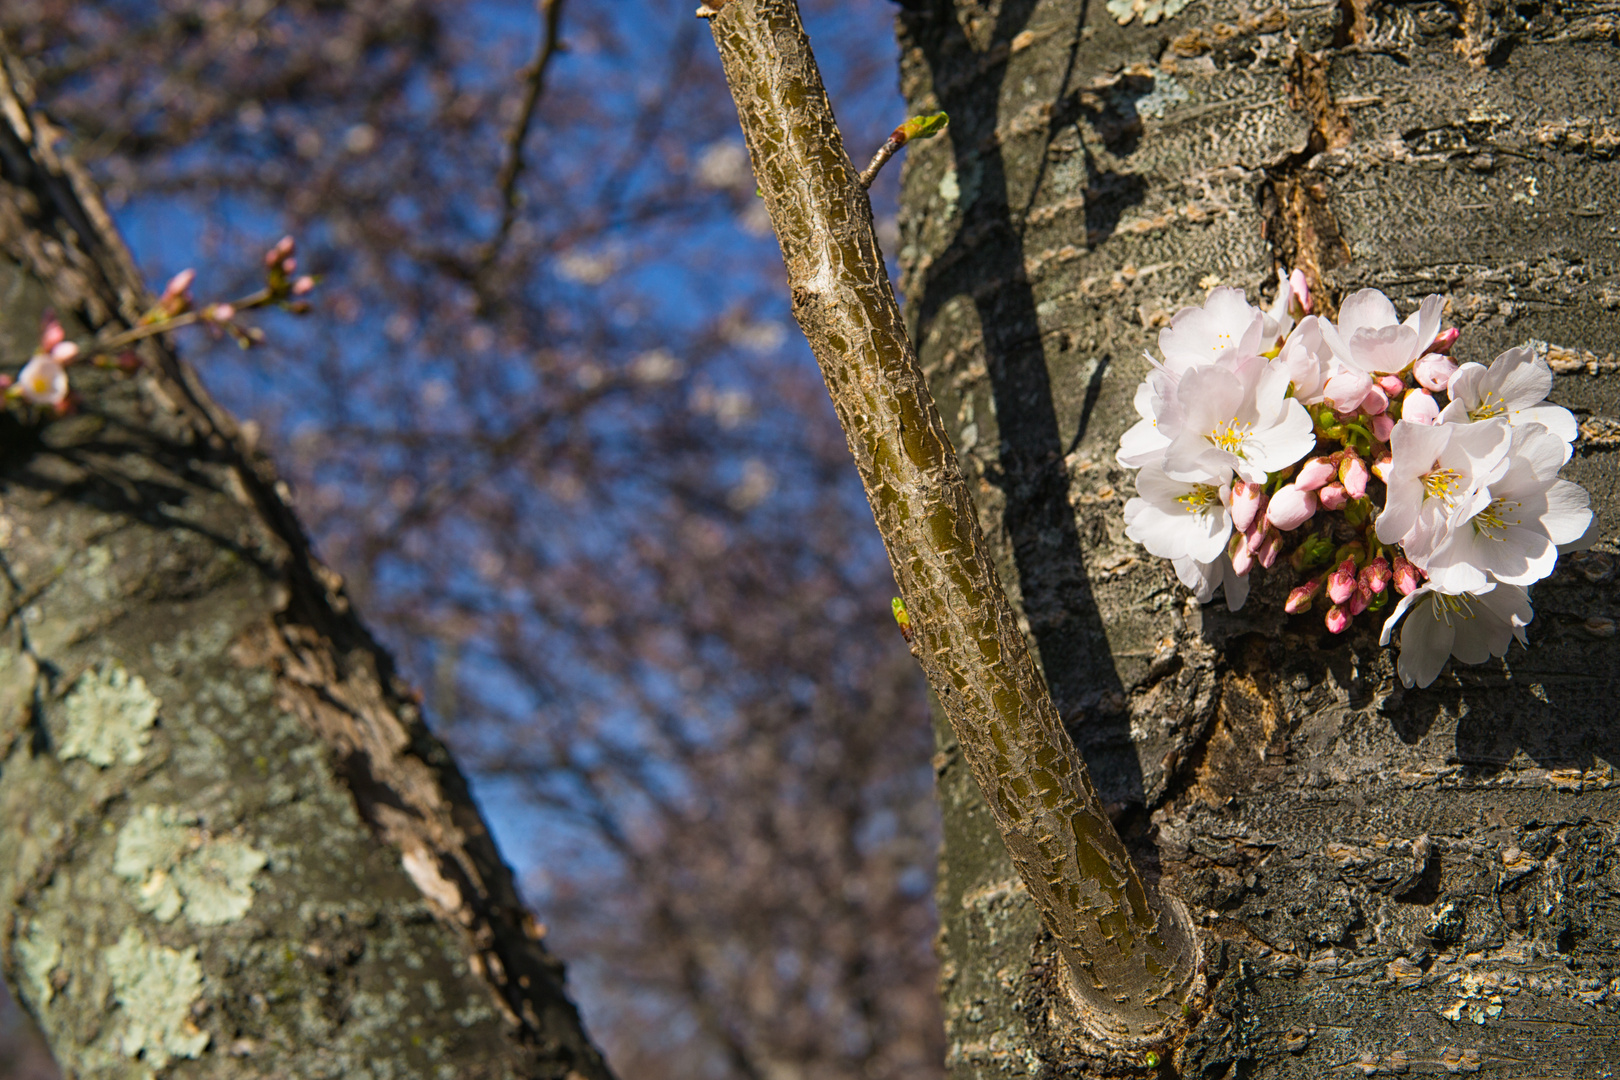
(230, 845)
(1387, 881)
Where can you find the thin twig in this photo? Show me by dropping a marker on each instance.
(512, 169)
(881, 158)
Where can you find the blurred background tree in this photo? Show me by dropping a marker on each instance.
(553, 424)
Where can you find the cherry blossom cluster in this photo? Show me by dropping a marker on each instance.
(42, 384)
(1383, 474)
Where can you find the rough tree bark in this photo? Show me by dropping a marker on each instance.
(228, 845)
(1385, 880)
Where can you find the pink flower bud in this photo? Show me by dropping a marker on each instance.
(284, 247)
(1333, 496)
(1353, 474)
(1338, 620)
(1407, 577)
(64, 351)
(220, 312)
(6, 381)
(1314, 473)
(1242, 557)
(1248, 502)
(178, 284)
(1290, 508)
(1418, 407)
(303, 285)
(1300, 599)
(1342, 582)
(1359, 601)
(1382, 466)
(1375, 402)
(1445, 339)
(1270, 548)
(51, 334)
(1301, 290)
(1434, 371)
(1391, 385)
(288, 265)
(1382, 427)
(1374, 576)
(1345, 391)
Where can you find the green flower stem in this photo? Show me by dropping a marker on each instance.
(1132, 958)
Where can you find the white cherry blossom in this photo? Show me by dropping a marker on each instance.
(1174, 519)
(42, 381)
(1472, 626)
(1371, 337)
(1203, 578)
(1437, 475)
(1146, 441)
(1226, 329)
(1237, 420)
(1514, 537)
(1514, 388)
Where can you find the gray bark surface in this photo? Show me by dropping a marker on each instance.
(229, 847)
(1385, 880)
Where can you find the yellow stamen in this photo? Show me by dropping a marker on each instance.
(1490, 405)
(1441, 484)
(1229, 435)
(1493, 521)
(1201, 497)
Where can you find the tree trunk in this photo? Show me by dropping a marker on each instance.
(229, 845)
(1390, 880)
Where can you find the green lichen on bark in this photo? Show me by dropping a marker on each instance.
(107, 717)
(173, 867)
(155, 989)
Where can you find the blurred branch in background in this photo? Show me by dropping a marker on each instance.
(550, 425)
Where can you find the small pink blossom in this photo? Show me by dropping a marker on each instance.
(1374, 576)
(219, 312)
(1300, 599)
(1314, 473)
(64, 352)
(1338, 619)
(282, 250)
(51, 334)
(1407, 577)
(1353, 474)
(179, 284)
(1445, 339)
(1270, 548)
(1434, 372)
(1346, 390)
(42, 381)
(303, 285)
(1342, 582)
(1391, 385)
(1242, 557)
(1248, 503)
(1418, 407)
(1333, 496)
(1291, 507)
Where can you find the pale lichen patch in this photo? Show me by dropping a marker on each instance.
(40, 953)
(155, 988)
(176, 867)
(109, 715)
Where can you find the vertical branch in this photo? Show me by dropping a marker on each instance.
(512, 168)
(1132, 959)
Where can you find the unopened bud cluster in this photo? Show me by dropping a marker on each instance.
(1361, 456)
(42, 384)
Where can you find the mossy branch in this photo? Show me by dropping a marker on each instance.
(1133, 959)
